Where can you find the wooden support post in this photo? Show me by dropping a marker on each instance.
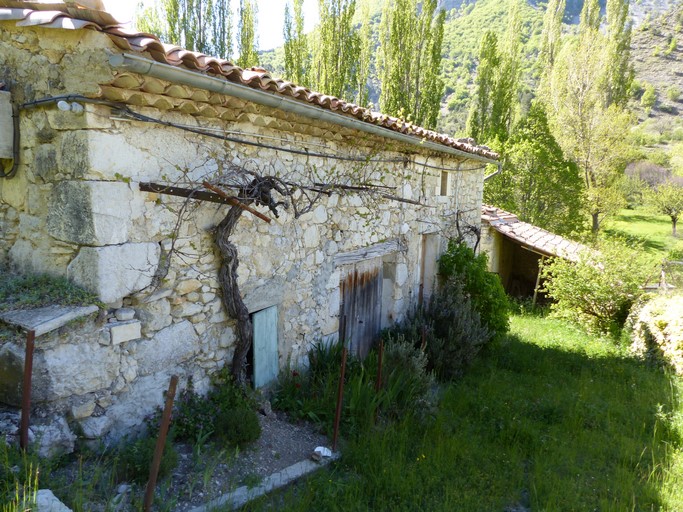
(26, 390)
(538, 282)
(161, 442)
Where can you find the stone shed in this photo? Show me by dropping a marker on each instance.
(516, 249)
(113, 127)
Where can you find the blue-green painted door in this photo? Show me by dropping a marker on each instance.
(265, 346)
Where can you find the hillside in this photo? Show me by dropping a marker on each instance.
(657, 52)
(467, 20)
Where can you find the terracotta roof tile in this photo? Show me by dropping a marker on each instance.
(531, 236)
(74, 16)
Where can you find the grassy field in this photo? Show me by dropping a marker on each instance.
(550, 419)
(654, 231)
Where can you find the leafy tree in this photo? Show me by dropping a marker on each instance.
(620, 71)
(589, 126)
(667, 199)
(409, 60)
(599, 289)
(497, 83)
(478, 121)
(198, 25)
(297, 58)
(537, 182)
(336, 49)
(551, 35)
(246, 43)
(364, 57)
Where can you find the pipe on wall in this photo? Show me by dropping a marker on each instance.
(183, 76)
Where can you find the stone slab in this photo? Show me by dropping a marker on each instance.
(243, 495)
(44, 320)
(124, 331)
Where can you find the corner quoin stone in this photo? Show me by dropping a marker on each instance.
(115, 271)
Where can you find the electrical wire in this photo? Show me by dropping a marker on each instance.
(125, 112)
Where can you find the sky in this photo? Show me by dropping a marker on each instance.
(271, 17)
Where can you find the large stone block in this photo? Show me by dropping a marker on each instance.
(171, 346)
(74, 369)
(115, 271)
(11, 373)
(90, 212)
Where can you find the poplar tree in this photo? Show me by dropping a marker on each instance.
(497, 83)
(297, 58)
(336, 49)
(409, 60)
(479, 121)
(246, 44)
(551, 36)
(620, 72)
(198, 25)
(589, 125)
(364, 57)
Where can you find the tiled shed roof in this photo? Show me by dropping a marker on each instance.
(530, 236)
(73, 16)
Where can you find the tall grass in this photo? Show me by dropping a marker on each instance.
(549, 419)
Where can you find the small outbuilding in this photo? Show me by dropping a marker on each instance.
(516, 250)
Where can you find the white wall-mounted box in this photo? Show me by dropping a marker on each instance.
(6, 125)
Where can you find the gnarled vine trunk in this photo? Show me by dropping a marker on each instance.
(232, 300)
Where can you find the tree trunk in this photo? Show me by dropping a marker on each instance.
(596, 222)
(232, 300)
(674, 221)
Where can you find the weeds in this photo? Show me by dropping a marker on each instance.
(550, 418)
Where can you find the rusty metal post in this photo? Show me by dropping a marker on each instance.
(26, 390)
(161, 441)
(340, 399)
(378, 384)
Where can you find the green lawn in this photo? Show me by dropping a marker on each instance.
(550, 419)
(653, 230)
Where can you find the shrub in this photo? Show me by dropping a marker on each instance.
(238, 426)
(673, 92)
(656, 330)
(406, 379)
(450, 329)
(482, 287)
(649, 97)
(194, 415)
(135, 458)
(599, 289)
(312, 394)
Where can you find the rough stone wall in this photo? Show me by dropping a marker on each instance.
(75, 209)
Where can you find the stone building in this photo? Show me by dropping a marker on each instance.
(106, 116)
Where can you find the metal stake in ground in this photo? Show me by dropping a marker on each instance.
(340, 399)
(26, 391)
(161, 441)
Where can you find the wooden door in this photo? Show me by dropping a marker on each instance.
(266, 364)
(361, 307)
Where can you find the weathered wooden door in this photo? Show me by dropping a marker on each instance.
(361, 307)
(265, 346)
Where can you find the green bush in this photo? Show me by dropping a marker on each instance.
(312, 394)
(237, 426)
(450, 329)
(482, 287)
(655, 327)
(673, 92)
(135, 458)
(599, 289)
(195, 416)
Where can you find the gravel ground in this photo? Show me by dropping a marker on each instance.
(202, 477)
